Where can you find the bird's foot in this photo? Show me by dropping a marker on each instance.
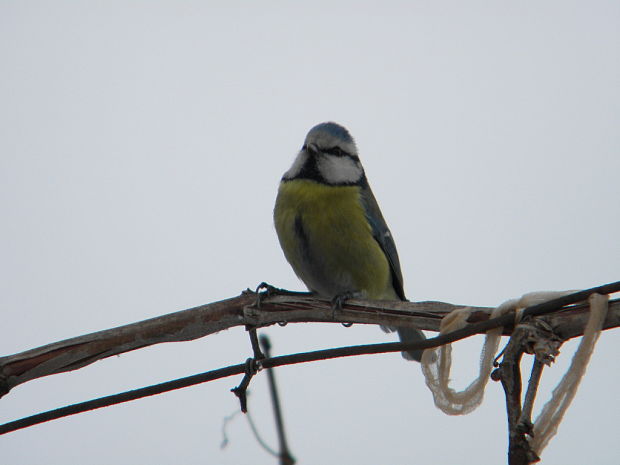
(264, 290)
(339, 300)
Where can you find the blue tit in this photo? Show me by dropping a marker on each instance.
(331, 229)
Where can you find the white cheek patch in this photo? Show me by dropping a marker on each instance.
(339, 170)
(298, 164)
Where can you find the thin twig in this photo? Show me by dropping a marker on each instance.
(258, 437)
(242, 389)
(225, 422)
(525, 420)
(286, 458)
(252, 365)
(519, 451)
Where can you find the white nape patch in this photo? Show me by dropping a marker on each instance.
(338, 170)
(298, 164)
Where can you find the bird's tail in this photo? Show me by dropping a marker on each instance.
(407, 334)
(411, 335)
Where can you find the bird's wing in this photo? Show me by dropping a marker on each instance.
(383, 236)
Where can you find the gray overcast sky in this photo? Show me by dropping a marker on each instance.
(141, 145)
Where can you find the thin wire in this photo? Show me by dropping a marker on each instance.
(121, 398)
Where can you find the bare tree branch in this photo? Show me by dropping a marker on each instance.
(201, 321)
(471, 329)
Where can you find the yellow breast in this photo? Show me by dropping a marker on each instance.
(328, 241)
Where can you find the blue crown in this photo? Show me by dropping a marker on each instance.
(333, 129)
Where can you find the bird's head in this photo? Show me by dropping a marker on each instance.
(330, 138)
(329, 155)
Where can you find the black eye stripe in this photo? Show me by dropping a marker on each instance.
(337, 151)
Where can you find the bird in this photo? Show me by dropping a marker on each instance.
(331, 229)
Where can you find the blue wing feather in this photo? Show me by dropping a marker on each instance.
(383, 236)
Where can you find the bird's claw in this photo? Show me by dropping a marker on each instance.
(264, 290)
(339, 300)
